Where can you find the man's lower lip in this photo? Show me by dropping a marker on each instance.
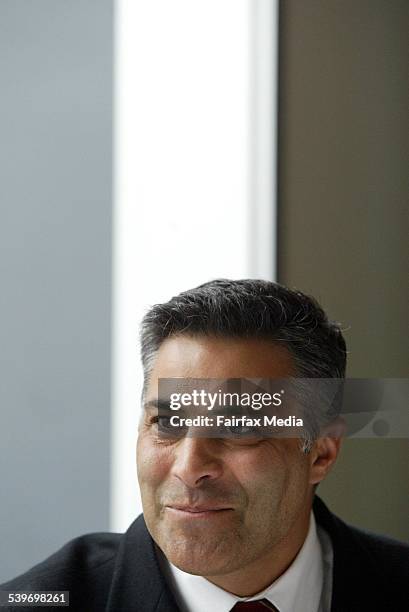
(196, 515)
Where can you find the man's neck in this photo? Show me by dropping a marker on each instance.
(263, 571)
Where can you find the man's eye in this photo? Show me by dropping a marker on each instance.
(165, 427)
(240, 430)
(162, 421)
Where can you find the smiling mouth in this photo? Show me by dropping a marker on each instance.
(197, 511)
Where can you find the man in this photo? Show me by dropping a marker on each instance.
(232, 523)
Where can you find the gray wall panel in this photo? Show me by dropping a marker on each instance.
(55, 274)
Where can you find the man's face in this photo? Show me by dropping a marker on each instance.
(216, 505)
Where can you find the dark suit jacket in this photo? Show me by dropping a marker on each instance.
(117, 572)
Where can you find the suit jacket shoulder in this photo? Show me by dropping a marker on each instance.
(84, 566)
(103, 572)
(370, 571)
(388, 553)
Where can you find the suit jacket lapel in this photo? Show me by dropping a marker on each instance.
(358, 584)
(137, 582)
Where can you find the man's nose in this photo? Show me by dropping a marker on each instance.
(197, 461)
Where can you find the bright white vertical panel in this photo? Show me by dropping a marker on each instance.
(182, 181)
(263, 52)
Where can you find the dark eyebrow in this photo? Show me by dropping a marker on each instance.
(156, 404)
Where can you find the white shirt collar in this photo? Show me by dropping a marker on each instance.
(297, 590)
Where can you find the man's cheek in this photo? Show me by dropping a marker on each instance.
(151, 467)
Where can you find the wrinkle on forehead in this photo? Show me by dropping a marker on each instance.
(214, 357)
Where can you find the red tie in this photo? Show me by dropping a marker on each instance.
(259, 605)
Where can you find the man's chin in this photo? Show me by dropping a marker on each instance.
(199, 565)
(201, 557)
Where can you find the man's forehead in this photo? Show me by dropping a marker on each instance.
(216, 357)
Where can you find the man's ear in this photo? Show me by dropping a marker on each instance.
(325, 450)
